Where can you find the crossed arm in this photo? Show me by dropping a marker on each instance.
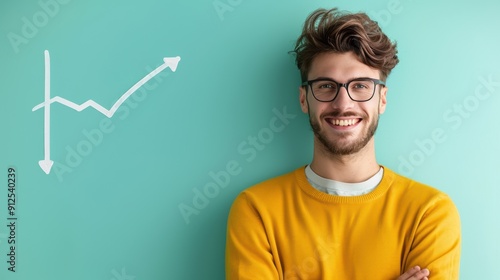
(415, 273)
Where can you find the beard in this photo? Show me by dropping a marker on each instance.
(337, 148)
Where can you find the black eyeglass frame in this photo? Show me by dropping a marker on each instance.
(345, 85)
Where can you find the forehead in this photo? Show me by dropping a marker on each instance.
(340, 67)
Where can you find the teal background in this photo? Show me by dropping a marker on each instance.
(115, 215)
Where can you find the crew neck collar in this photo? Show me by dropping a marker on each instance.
(334, 187)
(382, 187)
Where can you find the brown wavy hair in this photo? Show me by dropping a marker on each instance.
(339, 32)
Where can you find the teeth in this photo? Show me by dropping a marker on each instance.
(344, 122)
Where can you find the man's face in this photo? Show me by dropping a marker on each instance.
(342, 126)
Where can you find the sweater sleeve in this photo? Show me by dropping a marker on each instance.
(248, 252)
(437, 240)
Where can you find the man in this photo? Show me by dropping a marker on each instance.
(343, 216)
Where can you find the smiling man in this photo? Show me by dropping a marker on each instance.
(343, 216)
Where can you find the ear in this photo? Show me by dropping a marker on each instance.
(383, 100)
(303, 99)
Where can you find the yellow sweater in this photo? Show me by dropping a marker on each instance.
(284, 228)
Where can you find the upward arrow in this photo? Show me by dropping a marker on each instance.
(171, 62)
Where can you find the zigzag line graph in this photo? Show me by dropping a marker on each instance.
(46, 163)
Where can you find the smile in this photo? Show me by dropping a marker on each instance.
(344, 122)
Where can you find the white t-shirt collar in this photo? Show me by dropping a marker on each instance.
(340, 188)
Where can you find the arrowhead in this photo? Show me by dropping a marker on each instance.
(46, 165)
(172, 62)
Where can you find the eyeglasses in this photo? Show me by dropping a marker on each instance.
(359, 89)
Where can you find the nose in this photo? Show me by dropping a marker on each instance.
(342, 101)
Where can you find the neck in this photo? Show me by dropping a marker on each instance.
(352, 168)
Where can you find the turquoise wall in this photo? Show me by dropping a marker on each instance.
(145, 193)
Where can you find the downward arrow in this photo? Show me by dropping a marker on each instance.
(46, 163)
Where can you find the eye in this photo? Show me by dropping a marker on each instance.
(360, 85)
(326, 85)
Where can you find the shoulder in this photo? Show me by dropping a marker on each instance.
(273, 189)
(415, 192)
(409, 185)
(276, 183)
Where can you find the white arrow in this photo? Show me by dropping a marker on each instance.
(170, 62)
(46, 163)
